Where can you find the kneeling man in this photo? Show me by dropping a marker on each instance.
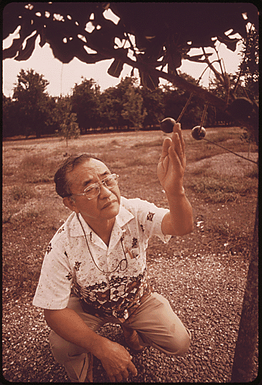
(94, 271)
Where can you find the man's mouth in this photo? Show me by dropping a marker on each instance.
(108, 204)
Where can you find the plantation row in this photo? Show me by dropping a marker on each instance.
(31, 111)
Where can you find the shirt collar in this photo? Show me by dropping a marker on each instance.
(122, 218)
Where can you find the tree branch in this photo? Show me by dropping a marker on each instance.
(176, 80)
(250, 124)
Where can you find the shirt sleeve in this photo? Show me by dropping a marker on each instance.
(150, 219)
(54, 286)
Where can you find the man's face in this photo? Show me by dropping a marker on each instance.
(106, 205)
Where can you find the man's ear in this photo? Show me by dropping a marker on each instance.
(68, 202)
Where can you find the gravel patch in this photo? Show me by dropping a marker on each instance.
(203, 274)
(226, 164)
(205, 290)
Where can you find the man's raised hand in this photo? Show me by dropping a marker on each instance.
(172, 163)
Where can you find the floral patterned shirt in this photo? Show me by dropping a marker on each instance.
(109, 280)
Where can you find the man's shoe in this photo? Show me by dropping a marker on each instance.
(132, 339)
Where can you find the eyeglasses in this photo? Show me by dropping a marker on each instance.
(93, 190)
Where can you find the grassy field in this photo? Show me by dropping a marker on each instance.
(202, 274)
(220, 186)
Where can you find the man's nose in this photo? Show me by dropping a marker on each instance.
(104, 191)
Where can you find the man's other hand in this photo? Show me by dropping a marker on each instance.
(116, 361)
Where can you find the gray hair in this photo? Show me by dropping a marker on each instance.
(60, 178)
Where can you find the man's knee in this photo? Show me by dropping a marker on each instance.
(59, 347)
(184, 343)
(63, 350)
(181, 343)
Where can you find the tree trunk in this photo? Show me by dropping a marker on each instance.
(244, 369)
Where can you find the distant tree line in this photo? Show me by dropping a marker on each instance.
(32, 111)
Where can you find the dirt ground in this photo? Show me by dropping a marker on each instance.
(222, 228)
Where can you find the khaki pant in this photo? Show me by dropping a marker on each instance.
(155, 322)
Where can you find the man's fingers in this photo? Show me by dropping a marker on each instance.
(119, 377)
(166, 144)
(177, 130)
(121, 372)
(174, 157)
(125, 374)
(112, 379)
(176, 147)
(177, 141)
(182, 142)
(177, 127)
(132, 368)
(179, 147)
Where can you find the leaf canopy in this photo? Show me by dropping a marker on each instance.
(149, 36)
(151, 33)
